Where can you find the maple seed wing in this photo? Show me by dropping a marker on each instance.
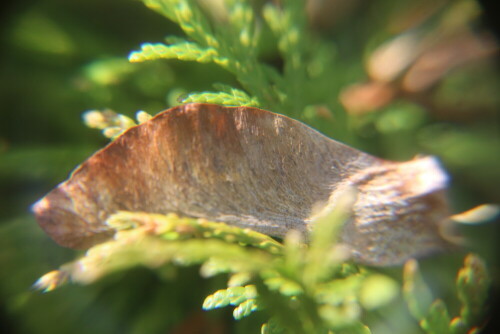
(244, 166)
(253, 169)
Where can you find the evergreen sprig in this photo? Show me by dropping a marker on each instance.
(263, 271)
(227, 96)
(172, 227)
(284, 280)
(111, 123)
(472, 284)
(243, 297)
(233, 42)
(301, 287)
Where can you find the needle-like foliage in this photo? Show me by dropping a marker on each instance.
(274, 55)
(302, 288)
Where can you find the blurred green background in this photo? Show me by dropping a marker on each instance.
(60, 58)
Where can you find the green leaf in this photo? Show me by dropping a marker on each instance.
(356, 328)
(137, 247)
(458, 326)
(235, 98)
(230, 296)
(242, 20)
(285, 286)
(325, 255)
(342, 316)
(173, 227)
(272, 327)
(473, 285)
(111, 123)
(339, 291)
(245, 309)
(377, 290)
(239, 279)
(417, 294)
(438, 320)
(187, 51)
(188, 16)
